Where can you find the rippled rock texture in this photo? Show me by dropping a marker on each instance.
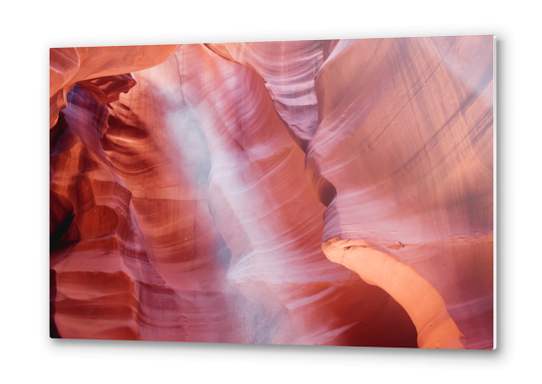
(305, 192)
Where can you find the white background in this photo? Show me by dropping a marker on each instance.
(29, 30)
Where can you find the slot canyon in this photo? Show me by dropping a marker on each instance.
(335, 192)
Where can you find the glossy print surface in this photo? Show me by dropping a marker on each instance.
(332, 192)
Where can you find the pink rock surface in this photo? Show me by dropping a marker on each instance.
(311, 192)
(71, 65)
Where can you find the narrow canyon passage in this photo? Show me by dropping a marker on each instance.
(208, 192)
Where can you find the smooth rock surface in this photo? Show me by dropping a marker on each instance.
(309, 192)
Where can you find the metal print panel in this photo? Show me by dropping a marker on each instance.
(333, 192)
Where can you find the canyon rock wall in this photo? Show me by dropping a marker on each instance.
(305, 192)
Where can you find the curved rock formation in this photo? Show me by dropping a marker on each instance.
(71, 65)
(217, 192)
(415, 176)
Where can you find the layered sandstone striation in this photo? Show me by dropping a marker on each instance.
(306, 192)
